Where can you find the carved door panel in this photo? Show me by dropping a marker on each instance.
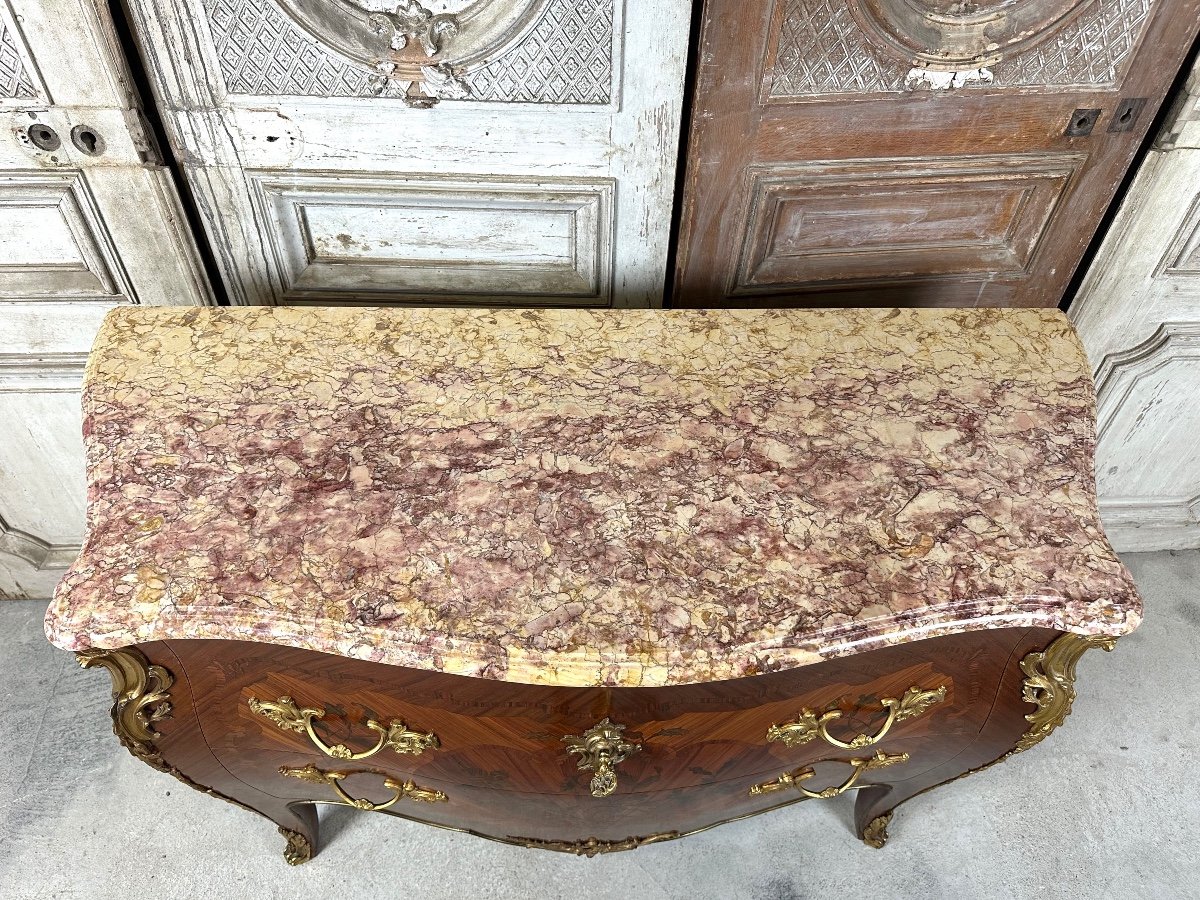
(914, 152)
(88, 220)
(455, 151)
(1138, 313)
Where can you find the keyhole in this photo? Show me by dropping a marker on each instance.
(87, 139)
(1126, 116)
(1081, 122)
(44, 137)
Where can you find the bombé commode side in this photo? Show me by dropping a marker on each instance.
(585, 581)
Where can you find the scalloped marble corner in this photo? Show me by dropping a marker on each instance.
(579, 497)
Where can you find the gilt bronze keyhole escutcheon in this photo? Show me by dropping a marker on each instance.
(601, 748)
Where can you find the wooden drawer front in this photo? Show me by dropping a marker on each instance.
(564, 815)
(510, 737)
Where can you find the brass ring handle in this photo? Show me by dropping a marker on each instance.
(792, 779)
(405, 790)
(601, 749)
(808, 724)
(287, 715)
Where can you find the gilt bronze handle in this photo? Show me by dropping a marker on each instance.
(404, 790)
(809, 724)
(287, 715)
(792, 779)
(601, 749)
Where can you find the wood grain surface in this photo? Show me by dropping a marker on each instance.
(819, 173)
(504, 766)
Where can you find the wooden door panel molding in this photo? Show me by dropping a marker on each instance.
(526, 51)
(1138, 314)
(799, 83)
(888, 219)
(43, 349)
(58, 245)
(1147, 464)
(412, 237)
(30, 548)
(245, 90)
(80, 233)
(1182, 256)
(827, 49)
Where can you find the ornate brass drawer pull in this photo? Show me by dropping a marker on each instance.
(601, 748)
(395, 736)
(792, 779)
(808, 724)
(405, 790)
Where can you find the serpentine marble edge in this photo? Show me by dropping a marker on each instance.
(580, 497)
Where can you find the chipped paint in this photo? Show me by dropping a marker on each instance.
(919, 78)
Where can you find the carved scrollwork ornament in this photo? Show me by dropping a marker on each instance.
(950, 35)
(413, 22)
(141, 698)
(402, 40)
(592, 846)
(1050, 683)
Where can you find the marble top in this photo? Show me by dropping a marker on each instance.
(581, 497)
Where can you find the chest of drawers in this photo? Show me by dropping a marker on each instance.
(585, 581)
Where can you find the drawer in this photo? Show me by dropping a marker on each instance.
(569, 815)
(289, 708)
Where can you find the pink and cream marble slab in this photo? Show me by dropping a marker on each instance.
(579, 497)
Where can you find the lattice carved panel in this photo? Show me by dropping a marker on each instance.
(15, 81)
(565, 56)
(822, 50)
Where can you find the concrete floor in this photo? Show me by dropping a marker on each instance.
(1107, 807)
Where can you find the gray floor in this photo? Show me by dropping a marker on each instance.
(1108, 807)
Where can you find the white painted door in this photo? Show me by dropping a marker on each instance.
(1138, 312)
(88, 220)
(460, 151)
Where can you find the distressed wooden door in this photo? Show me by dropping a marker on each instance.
(914, 152)
(451, 151)
(1138, 313)
(88, 220)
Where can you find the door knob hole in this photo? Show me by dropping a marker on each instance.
(44, 137)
